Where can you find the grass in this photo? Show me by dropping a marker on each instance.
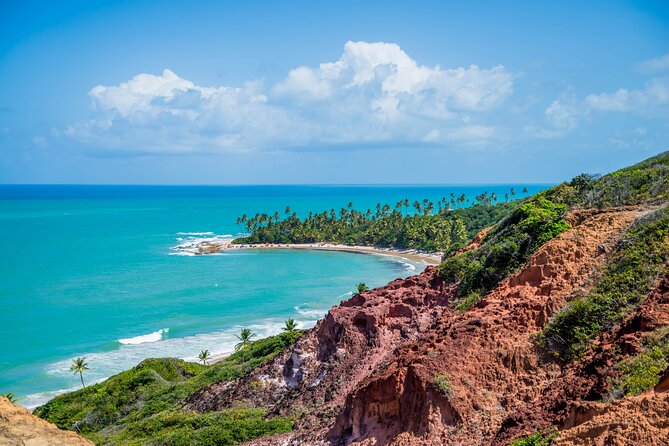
(443, 383)
(153, 390)
(628, 277)
(506, 247)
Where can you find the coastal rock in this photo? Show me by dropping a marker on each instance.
(396, 366)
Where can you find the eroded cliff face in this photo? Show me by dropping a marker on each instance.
(487, 352)
(366, 373)
(18, 427)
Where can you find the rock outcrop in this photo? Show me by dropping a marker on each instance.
(18, 427)
(366, 374)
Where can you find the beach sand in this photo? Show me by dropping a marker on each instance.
(212, 246)
(410, 254)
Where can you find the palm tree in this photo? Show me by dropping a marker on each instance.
(361, 287)
(245, 337)
(204, 356)
(10, 396)
(291, 325)
(79, 366)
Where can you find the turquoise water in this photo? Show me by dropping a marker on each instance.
(88, 270)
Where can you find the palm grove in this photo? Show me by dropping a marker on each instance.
(405, 225)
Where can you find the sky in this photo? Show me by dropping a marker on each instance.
(346, 92)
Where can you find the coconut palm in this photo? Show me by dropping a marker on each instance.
(290, 326)
(244, 337)
(79, 366)
(204, 356)
(361, 287)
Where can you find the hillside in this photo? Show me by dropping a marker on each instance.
(550, 327)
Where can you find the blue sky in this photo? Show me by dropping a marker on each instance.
(346, 92)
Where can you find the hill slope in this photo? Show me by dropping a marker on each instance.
(550, 326)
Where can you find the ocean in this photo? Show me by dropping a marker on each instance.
(89, 271)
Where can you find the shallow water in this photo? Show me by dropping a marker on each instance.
(88, 270)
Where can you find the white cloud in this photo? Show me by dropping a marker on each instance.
(473, 134)
(654, 94)
(656, 64)
(374, 93)
(562, 115)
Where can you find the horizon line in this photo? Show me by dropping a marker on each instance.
(278, 184)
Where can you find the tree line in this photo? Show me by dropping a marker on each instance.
(423, 225)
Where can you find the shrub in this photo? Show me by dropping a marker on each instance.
(627, 279)
(643, 371)
(443, 383)
(147, 394)
(225, 427)
(645, 182)
(506, 247)
(536, 439)
(468, 302)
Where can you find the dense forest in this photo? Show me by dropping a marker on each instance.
(422, 225)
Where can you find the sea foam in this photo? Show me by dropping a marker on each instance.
(151, 337)
(127, 355)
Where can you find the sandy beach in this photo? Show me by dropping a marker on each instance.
(213, 246)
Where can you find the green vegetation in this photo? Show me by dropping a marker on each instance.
(467, 302)
(361, 287)
(443, 383)
(536, 439)
(79, 366)
(505, 248)
(204, 356)
(143, 402)
(627, 279)
(244, 337)
(226, 427)
(643, 371)
(645, 182)
(290, 325)
(394, 226)
(10, 396)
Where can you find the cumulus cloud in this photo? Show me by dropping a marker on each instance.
(654, 94)
(374, 93)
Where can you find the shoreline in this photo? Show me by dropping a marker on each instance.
(410, 254)
(215, 246)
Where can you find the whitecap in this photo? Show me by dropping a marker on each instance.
(195, 233)
(151, 337)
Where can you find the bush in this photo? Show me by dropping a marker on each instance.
(506, 247)
(468, 302)
(536, 439)
(645, 182)
(147, 394)
(643, 372)
(225, 427)
(627, 279)
(443, 383)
